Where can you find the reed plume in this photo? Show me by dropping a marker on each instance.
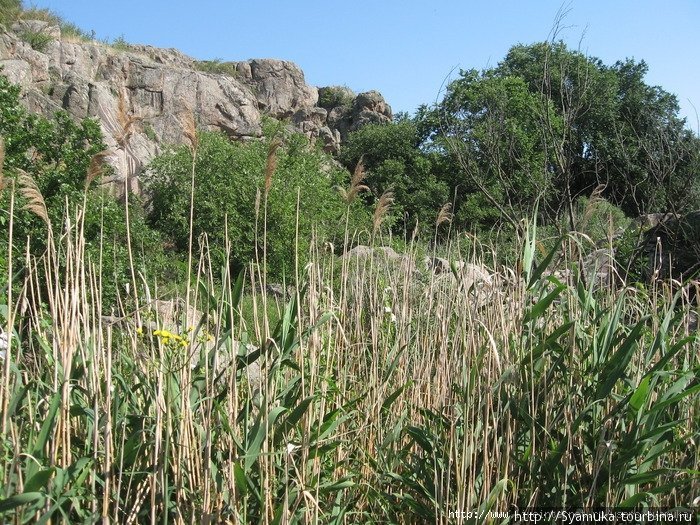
(445, 214)
(381, 210)
(356, 186)
(590, 206)
(96, 168)
(35, 200)
(126, 120)
(189, 127)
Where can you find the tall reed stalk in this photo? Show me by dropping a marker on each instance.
(385, 393)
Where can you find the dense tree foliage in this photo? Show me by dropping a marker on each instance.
(230, 198)
(553, 123)
(394, 161)
(542, 129)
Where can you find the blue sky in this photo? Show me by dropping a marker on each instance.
(406, 48)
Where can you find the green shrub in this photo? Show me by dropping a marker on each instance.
(334, 96)
(393, 161)
(120, 43)
(228, 176)
(9, 11)
(149, 131)
(39, 40)
(217, 66)
(599, 219)
(70, 30)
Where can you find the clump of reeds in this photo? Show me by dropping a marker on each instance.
(411, 397)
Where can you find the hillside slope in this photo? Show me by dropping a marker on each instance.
(161, 86)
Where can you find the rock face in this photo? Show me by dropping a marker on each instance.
(163, 87)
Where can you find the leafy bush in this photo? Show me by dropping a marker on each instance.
(228, 177)
(120, 43)
(599, 219)
(217, 66)
(57, 154)
(393, 161)
(334, 96)
(70, 30)
(9, 11)
(39, 40)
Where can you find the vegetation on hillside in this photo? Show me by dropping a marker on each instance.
(379, 387)
(242, 187)
(51, 167)
(547, 125)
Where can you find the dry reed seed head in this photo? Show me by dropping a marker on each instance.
(271, 164)
(445, 214)
(356, 185)
(358, 174)
(126, 120)
(96, 168)
(382, 209)
(593, 199)
(35, 200)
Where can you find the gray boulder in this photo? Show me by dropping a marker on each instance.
(278, 85)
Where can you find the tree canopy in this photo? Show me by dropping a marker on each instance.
(545, 126)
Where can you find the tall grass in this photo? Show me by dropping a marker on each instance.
(384, 394)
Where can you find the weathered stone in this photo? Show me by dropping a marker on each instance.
(599, 267)
(161, 86)
(279, 86)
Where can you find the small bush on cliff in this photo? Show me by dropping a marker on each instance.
(9, 11)
(230, 185)
(217, 66)
(334, 96)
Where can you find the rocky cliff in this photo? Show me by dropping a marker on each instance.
(158, 88)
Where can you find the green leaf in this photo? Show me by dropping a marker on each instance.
(645, 477)
(38, 454)
(538, 309)
(394, 395)
(640, 394)
(240, 479)
(39, 480)
(539, 270)
(616, 365)
(420, 437)
(293, 418)
(634, 501)
(334, 486)
(20, 499)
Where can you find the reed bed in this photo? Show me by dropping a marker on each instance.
(386, 393)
